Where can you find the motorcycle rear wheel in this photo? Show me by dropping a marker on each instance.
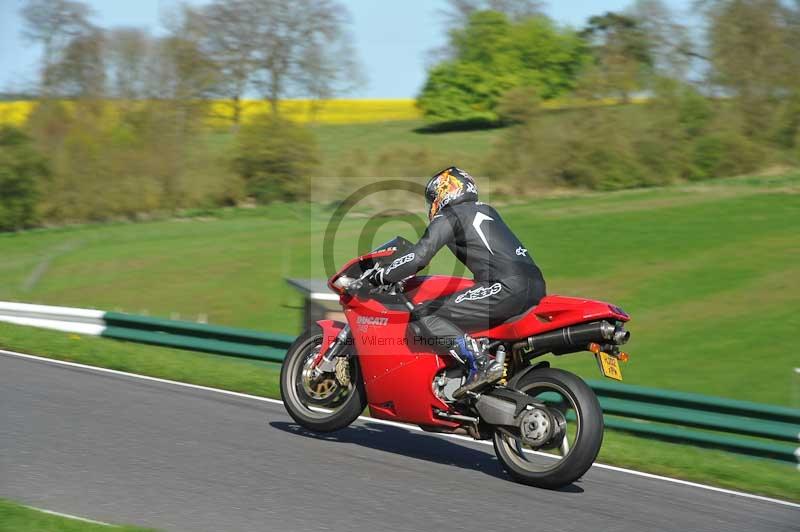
(324, 405)
(553, 472)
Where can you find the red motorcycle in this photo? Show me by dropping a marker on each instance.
(546, 423)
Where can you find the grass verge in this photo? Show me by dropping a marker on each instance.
(706, 271)
(16, 518)
(686, 462)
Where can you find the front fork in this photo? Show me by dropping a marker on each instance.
(325, 361)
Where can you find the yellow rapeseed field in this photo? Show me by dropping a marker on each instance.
(15, 113)
(304, 111)
(309, 111)
(328, 112)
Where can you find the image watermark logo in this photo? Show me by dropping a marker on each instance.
(358, 216)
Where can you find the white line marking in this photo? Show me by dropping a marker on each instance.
(68, 516)
(396, 424)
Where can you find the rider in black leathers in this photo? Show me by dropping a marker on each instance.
(507, 281)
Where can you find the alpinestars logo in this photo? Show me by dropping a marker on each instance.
(479, 293)
(522, 252)
(372, 320)
(399, 262)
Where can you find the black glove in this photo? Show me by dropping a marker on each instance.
(376, 277)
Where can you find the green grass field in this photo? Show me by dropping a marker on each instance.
(343, 145)
(17, 518)
(708, 272)
(468, 149)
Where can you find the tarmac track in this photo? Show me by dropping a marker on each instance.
(119, 448)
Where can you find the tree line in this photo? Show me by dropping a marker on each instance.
(118, 130)
(720, 97)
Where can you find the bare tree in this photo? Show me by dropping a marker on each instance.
(128, 53)
(231, 40)
(53, 24)
(278, 47)
(79, 72)
(183, 71)
(671, 45)
(295, 40)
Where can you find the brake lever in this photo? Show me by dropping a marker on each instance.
(356, 285)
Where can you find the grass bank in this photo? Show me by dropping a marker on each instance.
(708, 272)
(18, 518)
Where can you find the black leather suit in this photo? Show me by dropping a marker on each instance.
(508, 282)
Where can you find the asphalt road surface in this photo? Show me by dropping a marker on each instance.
(121, 449)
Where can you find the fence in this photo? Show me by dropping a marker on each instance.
(765, 431)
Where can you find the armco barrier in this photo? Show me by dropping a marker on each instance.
(228, 341)
(754, 429)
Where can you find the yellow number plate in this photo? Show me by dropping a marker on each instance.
(609, 366)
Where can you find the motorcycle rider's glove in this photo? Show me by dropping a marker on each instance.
(376, 277)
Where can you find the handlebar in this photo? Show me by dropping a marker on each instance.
(396, 288)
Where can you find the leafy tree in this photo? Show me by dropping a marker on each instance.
(458, 12)
(21, 170)
(463, 91)
(518, 105)
(275, 158)
(622, 54)
(494, 55)
(754, 56)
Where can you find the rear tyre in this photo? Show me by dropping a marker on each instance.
(554, 472)
(323, 404)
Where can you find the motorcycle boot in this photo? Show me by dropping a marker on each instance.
(483, 370)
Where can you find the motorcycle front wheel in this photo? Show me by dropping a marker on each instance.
(324, 403)
(573, 405)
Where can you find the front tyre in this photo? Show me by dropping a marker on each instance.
(320, 404)
(575, 406)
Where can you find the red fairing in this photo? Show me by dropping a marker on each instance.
(554, 312)
(374, 255)
(398, 368)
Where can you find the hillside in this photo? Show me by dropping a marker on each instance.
(708, 273)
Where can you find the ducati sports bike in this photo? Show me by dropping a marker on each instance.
(546, 423)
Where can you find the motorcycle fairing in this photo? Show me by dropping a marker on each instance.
(398, 370)
(554, 312)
